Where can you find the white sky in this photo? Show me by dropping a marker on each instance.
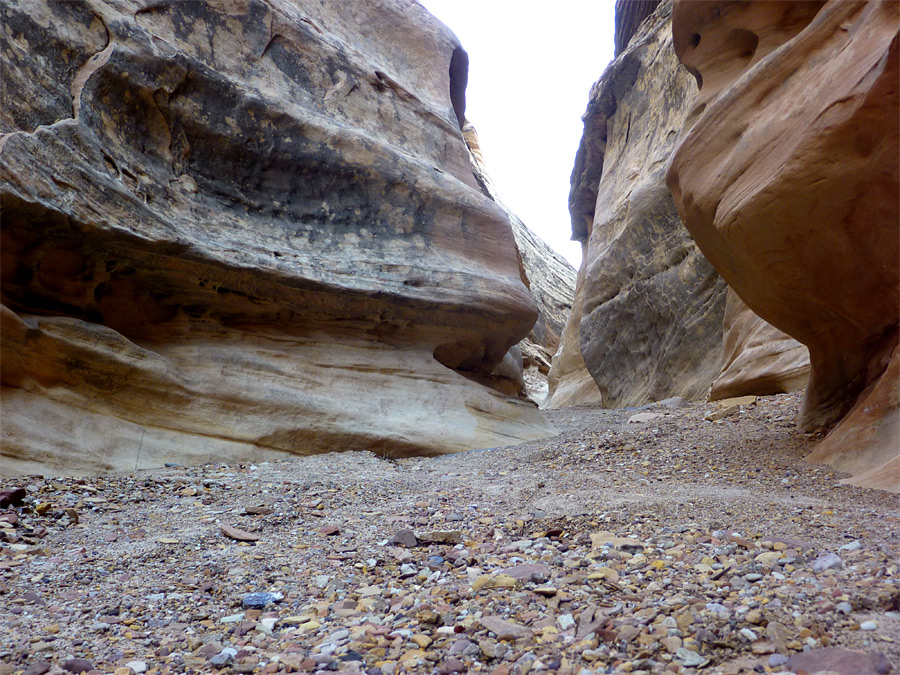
(531, 67)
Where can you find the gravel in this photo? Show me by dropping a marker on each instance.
(687, 542)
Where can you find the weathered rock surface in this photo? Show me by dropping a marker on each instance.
(240, 230)
(759, 358)
(549, 277)
(652, 306)
(569, 382)
(866, 443)
(787, 176)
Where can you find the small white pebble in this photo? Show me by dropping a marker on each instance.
(868, 625)
(565, 621)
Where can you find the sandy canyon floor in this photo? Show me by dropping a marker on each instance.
(674, 544)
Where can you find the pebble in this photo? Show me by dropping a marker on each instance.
(748, 634)
(238, 535)
(754, 616)
(440, 537)
(776, 660)
(267, 625)
(690, 659)
(565, 621)
(868, 625)
(451, 665)
(640, 418)
(37, 668)
(838, 660)
(505, 630)
(260, 600)
(852, 546)
(827, 561)
(224, 657)
(405, 538)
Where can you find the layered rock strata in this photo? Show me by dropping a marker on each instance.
(787, 176)
(236, 231)
(652, 307)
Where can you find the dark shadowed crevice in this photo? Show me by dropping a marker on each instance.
(629, 16)
(459, 78)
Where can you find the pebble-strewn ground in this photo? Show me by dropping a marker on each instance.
(674, 544)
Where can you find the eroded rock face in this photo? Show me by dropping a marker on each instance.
(569, 382)
(787, 176)
(243, 230)
(652, 306)
(759, 358)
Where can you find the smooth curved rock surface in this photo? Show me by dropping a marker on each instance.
(652, 306)
(569, 381)
(759, 358)
(242, 230)
(787, 175)
(865, 443)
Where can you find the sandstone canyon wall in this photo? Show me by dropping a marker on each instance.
(647, 320)
(651, 307)
(759, 358)
(787, 175)
(240, 230)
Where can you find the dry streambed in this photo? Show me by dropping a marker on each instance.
(670, 543)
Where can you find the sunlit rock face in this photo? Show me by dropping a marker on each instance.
(651, 306)
(787, 176)
(233, 231)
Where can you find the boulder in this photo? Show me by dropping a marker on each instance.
(236, 231)
(652, 306)
(787, 173)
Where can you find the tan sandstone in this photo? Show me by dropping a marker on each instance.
(236, 231)
(787, 176)
(651, 306)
